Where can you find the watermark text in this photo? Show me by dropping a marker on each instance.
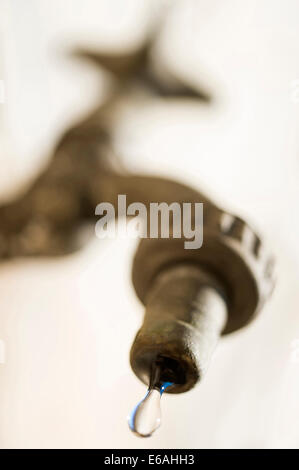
(154, 220)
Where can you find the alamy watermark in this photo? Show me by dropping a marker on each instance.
(156, 220)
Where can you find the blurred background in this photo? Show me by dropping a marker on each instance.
(66, 379)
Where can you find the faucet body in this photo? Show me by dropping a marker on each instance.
(191, 297)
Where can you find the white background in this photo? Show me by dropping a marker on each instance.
(66, 381)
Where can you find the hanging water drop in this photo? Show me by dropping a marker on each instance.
(146, 416)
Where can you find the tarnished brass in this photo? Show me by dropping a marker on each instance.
(191, 296)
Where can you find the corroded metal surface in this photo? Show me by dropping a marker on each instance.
(231, 263)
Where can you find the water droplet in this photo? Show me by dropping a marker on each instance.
(146, 416)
